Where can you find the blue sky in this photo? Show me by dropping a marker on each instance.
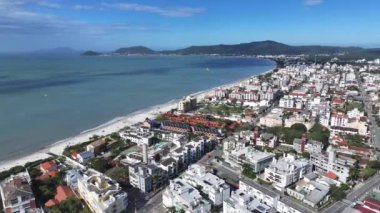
(162, 24)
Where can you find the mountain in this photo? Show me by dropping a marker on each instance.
(58, 51)
(91, 53)
(135, 50)
(265, 48)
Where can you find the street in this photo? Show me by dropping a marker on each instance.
(354, 195)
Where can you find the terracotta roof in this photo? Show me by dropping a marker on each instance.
(47, 165)
(331, 175)
(63, 193)
(47, 175)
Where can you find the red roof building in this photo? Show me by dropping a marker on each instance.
(47, 175)
(63, 193)
(48, 166)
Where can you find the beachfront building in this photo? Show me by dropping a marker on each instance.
(216, 189)
(187, 104)
(97, 146)
(329, 164)
(102, 194)
(286, 170)
(62, 193)
(138, 137)
(182, 196)
(17, 195)
(248, 155)
(71, 178)
(83, 157)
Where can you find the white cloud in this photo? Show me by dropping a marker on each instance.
(82, 7)
(312, 2)
(170, 12)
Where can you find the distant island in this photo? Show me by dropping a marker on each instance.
(252, 48)
(91, 53)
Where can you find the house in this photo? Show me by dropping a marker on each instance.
(102, 194)
(63, 193)
(83, 157)
(48, 166)
(17, 195)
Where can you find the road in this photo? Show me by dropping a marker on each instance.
(354, 195)
(374, 129)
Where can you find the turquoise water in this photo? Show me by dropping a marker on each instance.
(44, 99)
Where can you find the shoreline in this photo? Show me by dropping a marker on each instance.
(111, 126)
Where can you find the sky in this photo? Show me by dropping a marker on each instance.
(103, 25)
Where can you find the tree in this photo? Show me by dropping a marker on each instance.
(119, 174)
(70, 205)
(99, 164)
(157, 157)
(299, 127)
(337, 193)
(306, 155)
(248, 171)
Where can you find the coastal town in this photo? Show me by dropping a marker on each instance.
(302, 138)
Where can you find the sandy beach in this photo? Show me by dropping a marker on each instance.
(114, 125)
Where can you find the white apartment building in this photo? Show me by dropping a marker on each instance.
(286, 171)
(330, 163)
(339, 120)
(102, 194)
(182, 196)
(263, 195)
(216, 189)
(250, 156)
(143, 176)
(243, 202)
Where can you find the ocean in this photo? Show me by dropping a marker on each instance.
(44, 99)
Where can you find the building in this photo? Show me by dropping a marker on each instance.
(97, 146)
(267, 140)
(310, 191)
(71, 178)
(286, 170)
(17, 195)
(63, 193)
(83, 157)
(240, 156)
(48, 166)
(102, 194)
(307, 145)
(262, 194)
(146, 177)
(243, 202)
(329, 162)
(216, 189)
(182, 196)
(187, 104)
